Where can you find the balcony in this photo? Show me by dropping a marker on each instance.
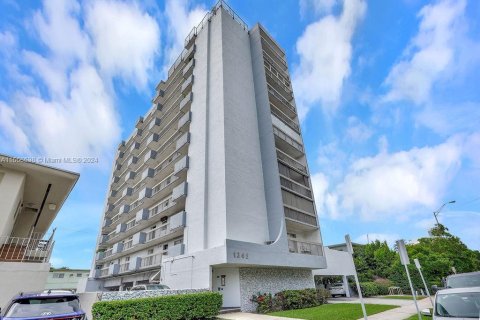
(284, 118)
(181, 166)
(101, 272)
(187, 85)
(188, 69)
(100, 255)
(184, 139)
(154, 123)
(295, 187)
(279, 85)
(151, 261)
(277, 99)
(124, 267)
(287, 144)
(186, 102)
(186, 118)
(297, 216)
(15, 249)
(149, 157)
(311, 248)
(289, 161)
(113, 269)
(179, 191)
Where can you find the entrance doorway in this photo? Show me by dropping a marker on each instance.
(227, 282)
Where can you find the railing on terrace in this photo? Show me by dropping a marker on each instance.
(127, 245)
(295, 246)
(34, 249)
(285, 137)
(124, 267)
(158, 233)
(290, 161)
(151, 260)
(280, 115)
(206, 18)
(104, 272)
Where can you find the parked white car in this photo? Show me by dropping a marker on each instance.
(337, 289)
(153, 286)
(459, 303)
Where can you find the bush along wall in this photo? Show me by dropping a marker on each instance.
(288, 300)
(186, 306)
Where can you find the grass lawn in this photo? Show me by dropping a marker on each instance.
(337, 311)
(406, 297)
(415, 317)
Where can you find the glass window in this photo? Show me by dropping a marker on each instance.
(458, 305)
(79, 275)
(29, 308)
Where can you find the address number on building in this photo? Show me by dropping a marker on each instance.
(240, 255)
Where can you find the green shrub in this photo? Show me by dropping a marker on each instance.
(265, 302)
(296, 299)
(323, 295)
(185, 306)
(369, 289)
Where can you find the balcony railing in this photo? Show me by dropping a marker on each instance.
(151, 260)
(295, 187)
(103, 272)
(300, 216)
(290, 161)
(124, 267)
(314, 249)
(34, 249)
(157, 233)
(285, 137)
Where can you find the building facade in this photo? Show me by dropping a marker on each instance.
(212, 189)
(65, 279)
(31, 196)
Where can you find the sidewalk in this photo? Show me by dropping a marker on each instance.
(250, 316)
(401, 313)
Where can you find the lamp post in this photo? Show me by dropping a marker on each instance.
(435, 213)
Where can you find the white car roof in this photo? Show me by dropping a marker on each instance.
(459, 290)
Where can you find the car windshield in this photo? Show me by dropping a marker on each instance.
(43, 307)
(156, 287)
(459, 305)
(464, 281)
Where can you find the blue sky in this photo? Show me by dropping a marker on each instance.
(387, 91)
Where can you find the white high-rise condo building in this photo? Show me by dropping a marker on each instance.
(212, 189)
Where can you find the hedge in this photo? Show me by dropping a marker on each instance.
(289, 299)
(373, 289)
(185, 306)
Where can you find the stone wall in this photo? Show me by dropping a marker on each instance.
(127, 295)
(271, 280)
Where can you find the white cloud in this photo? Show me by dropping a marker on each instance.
(59, 29)
(449, 119)
(13, 134)
(81, 124)
(370, 237)
(325, 52)
(181, 19)
(395, 184)
(320, 187)
(357, 131)
(428, 55)
(318, 6)
(125, 38)
(69, 109)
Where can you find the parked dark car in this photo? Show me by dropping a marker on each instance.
(44, 306)
(460, 280)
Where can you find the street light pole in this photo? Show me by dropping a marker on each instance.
(435, 213)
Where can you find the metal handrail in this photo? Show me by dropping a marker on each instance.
(302, 247)
(17, 249)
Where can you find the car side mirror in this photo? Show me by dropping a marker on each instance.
(426, 312)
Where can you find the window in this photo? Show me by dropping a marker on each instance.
(79, 275)
(58, 275)
(178, 241)
(150, 251)
(165, 246)
(71, 275)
